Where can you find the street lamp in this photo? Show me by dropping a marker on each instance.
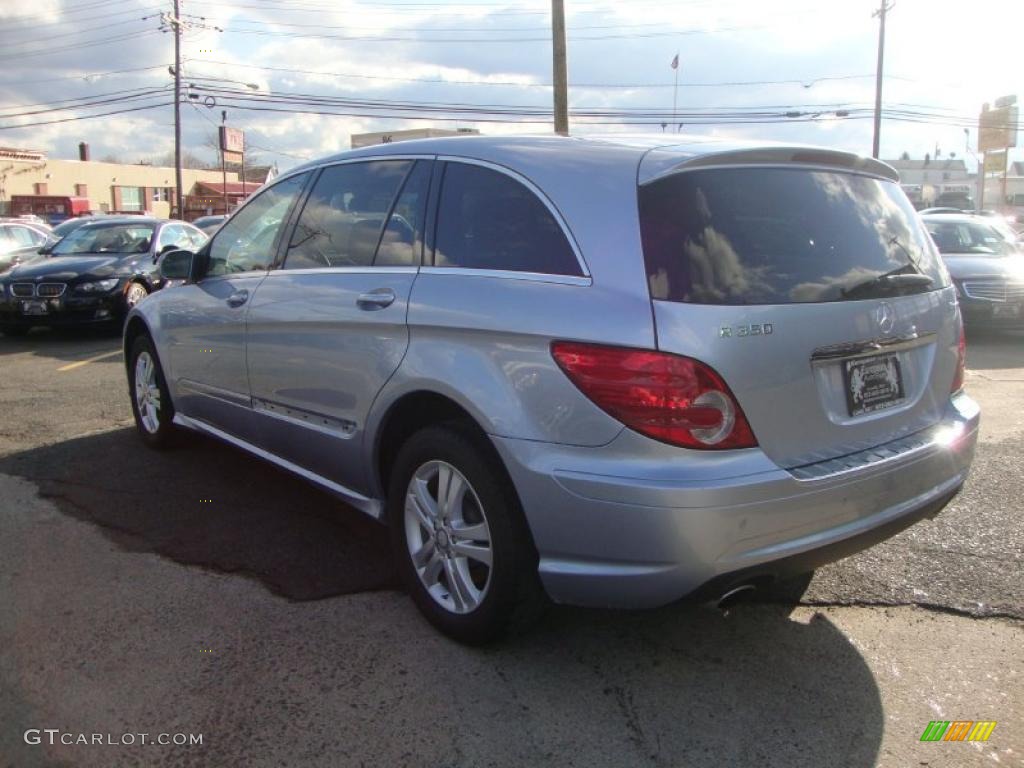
(250, 86)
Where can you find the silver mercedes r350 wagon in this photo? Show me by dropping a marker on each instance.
(609, 372)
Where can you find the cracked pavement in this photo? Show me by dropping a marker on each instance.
(268, 619)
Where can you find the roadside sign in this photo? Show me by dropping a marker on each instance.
(995, 162)
(997, 128)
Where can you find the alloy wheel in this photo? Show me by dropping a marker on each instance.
(447, 536)
(147, 392)
(136, 293)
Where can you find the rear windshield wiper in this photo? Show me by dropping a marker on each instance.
(895, 280)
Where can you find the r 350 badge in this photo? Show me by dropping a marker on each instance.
(754, 329)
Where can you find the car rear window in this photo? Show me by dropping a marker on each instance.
(781, 236)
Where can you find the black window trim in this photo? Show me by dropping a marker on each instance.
(584, 278)
(293, 219)
(287, 222)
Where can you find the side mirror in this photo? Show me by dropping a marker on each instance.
(176, 264)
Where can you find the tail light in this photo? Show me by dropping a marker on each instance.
(961, 361)
(674, 399)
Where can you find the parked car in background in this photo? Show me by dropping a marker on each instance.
(32, 253)
(618, 371)
(93, 275)
(209, 224)
(928, 211)
(17, 236)
(986, 263)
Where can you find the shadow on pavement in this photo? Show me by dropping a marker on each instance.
(677, 686)
(67, 344)
(989, 349)
(210, 505)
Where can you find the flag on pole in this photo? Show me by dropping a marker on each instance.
(675, 62)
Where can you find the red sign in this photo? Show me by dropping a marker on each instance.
(232, 140)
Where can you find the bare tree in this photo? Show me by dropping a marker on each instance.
(188, 160)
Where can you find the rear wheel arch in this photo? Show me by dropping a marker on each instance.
(134, 328)
(408, 415)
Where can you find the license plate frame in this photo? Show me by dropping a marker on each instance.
(872, 383)
(34, 308)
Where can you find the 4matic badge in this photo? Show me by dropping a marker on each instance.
(754, 329)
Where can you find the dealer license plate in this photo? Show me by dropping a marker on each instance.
(872, 383)
(34, 308)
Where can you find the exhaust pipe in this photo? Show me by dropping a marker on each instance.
(724, 602)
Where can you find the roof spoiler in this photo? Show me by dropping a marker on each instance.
(664, 162)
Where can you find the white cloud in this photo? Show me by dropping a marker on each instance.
(796, 40)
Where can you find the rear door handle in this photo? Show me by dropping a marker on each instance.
(238, 298)
(376, 299)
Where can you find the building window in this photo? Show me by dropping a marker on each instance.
(158, 195)
(81, 190)
(131, 199)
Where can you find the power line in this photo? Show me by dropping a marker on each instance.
(625, 86)
(79, 46)
(84, 98)
(84, 117)
(489, 40)
(13, 26)
(48, 38)
(88, 75)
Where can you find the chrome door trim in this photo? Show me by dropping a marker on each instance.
(373, 507)
(381, 270)
(552, 209)
(504, 274)
(208, 390)
(870, 347)
(342, 429)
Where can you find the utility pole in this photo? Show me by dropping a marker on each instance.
(880, 13)
(560, 70)
(179, 201)
(223, 158)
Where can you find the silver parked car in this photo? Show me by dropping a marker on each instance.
(612, 372)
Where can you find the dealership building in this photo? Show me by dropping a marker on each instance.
(108, 187)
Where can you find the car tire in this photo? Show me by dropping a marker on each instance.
(455, 534)
(151, 400)
(133, 294)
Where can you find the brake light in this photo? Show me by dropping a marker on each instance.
(961, 361)
(674, 399)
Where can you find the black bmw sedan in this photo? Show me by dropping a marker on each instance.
(94, 275)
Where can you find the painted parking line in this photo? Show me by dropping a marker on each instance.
(80, 363)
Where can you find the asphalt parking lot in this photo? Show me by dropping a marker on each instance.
(202, 591)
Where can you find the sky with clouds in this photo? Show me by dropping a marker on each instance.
(63, 59)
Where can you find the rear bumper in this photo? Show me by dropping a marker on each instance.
(637, 524)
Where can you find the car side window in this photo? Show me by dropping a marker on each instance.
(24, 236)
(488, 220)
(342, 221)
(246, 242)
(197, 237)
(173, 235)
